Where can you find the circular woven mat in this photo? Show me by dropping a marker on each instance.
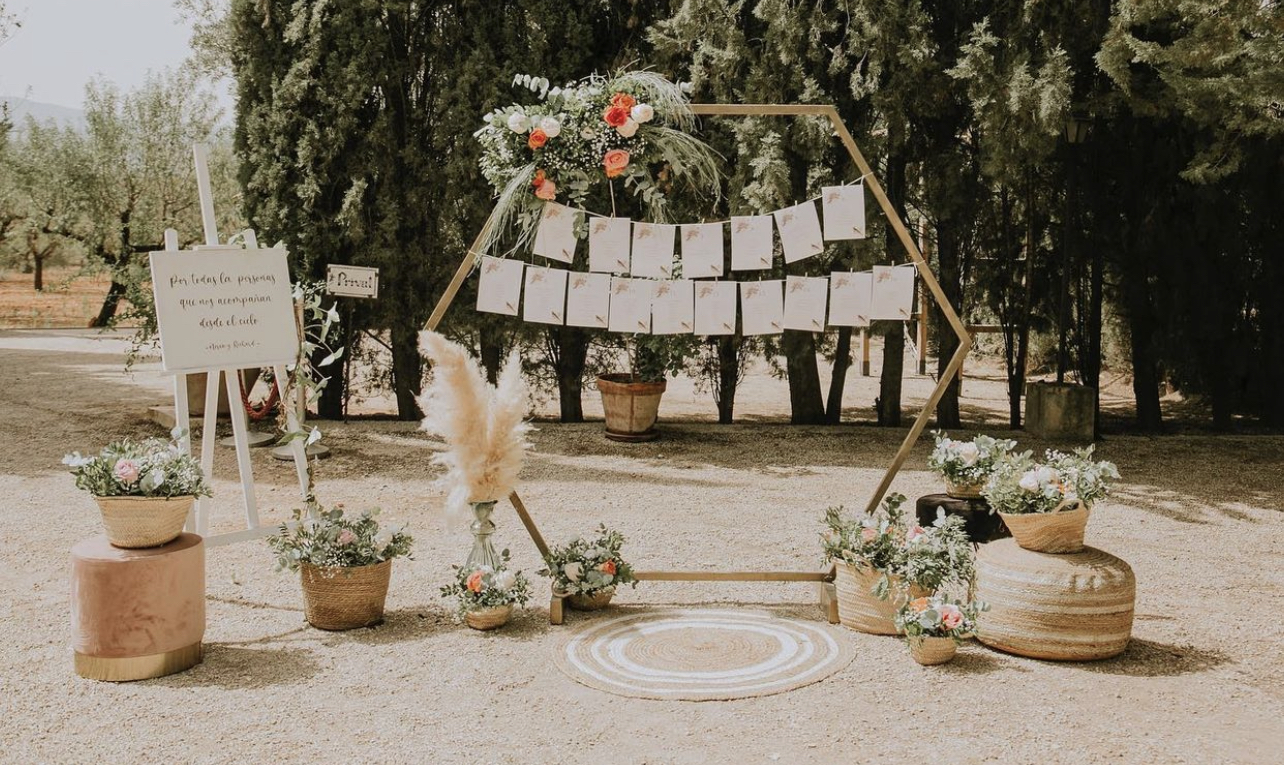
(701, 654)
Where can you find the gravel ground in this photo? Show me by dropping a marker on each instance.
(1197, 516)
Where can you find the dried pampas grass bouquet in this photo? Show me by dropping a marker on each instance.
(484, 426)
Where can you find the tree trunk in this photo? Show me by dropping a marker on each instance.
(1145, 363)
(806, 405)
(407, 370)
(947, 409)
(728, 378)
(39, 270)
(838, 378)
(492, 350)
(111, 302)
(888, 402)
(572, 344)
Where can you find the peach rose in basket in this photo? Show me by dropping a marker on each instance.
(914, 533)
(475, 581)
(615, 161)
(951, 616)
(607, 568)
(867, 534)
(918, 605)
(623, 100)
(537, 139)
(615, 115)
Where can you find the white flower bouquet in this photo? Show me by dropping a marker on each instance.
(966, 465)
(484, 587)
(148, 468)
(1062, 481)
(588, 566)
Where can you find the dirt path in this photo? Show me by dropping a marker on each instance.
(1198, 517)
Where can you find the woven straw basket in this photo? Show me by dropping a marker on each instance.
(858, 607)
(1059, 532)
(963, 490)
(133, 522)
(488, 618)
(930, 651)
(595, 602)
(337, 598)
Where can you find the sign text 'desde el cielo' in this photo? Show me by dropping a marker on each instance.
(224, 308)
(352, 281)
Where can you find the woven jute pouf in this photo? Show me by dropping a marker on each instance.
(338, 598)
(137, 614)
(1068, 607)
(859, 609)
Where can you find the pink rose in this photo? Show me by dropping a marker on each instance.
(546, 191)
(914, 533)
(126, 471)
(951, 616)
(867, 534)
(346, 537)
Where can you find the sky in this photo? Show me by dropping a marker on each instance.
(64, 43)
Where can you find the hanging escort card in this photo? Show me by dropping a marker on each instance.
(673, 308)
(588, 300)
(762, 307)
(500, 288)
(715, 308)
(555, 237)
(800, 232)
(850, 294)
(844, 209)
(701, 250)
(893, 293)
(751, 245)
(630, 305)
(609, 245)
(805, 302)
(653, 250)
(545, 295)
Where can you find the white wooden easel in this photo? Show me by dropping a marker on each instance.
(199, 519)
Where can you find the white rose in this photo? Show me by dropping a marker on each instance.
(504, 580)
(383, 539)
(969, 453)
(158, 478)
(551, 127)
(572, 571)
(629, 127)
(642, 113)
(1030, 481)
(1046, 474)
(518, 122)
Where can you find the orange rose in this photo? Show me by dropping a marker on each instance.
(475, 581)
(919, 605)
(623, 100)
(547, 191)
(615, 161)
(607, 567)
(616, 115)
(537, 139)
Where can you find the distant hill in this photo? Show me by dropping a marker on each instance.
(20, 108)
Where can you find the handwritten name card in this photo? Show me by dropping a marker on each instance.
(844, 208)
(673, 308)
(701, 250)
(609, 245)
(499, 290)
(545, 295)
(715, 308)
(588, 300)
(751, 242)
(805, 302)
(762, 307)
(555, 237)
(653, 250)
(799, 232)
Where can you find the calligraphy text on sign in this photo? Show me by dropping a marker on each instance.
(352, 281)
(227, 308)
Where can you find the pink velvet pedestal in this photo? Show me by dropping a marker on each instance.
(137, 614)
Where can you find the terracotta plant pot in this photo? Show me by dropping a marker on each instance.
(340, 598)
(631, 407)
(930, 651)
(595, 602)
(135, 522)
(488, 618)
(1059, 532)
(963, 490)
(859, 609)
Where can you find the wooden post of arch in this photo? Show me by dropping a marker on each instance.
(823, 578)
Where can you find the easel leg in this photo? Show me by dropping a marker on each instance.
(556, 615)
(829, 602)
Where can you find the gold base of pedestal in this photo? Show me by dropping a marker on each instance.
(123, 669)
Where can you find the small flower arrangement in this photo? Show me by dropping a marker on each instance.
(939, 555)
(937, 617)
(1062, 482)
(482, 587)
(633, 126)
(588, 566)
(329, 539)
(148, 468)
(967, 463)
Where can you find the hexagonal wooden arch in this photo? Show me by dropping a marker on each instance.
(471, 258)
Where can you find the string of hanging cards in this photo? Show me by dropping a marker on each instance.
(650, 300)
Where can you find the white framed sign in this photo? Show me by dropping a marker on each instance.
(224, 308)
(352, 281)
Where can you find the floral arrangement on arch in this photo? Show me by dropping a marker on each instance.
(967, 463)
(588, 566)
(937, 616)
(147, 468)
(910, 555)
(330, 539)
(482, 587)
(1062, 481)
(579, 138)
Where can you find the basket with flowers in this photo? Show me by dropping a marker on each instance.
(966, 465)
(486, 595)
(587, 571)
(934, 626)
(1046, 505)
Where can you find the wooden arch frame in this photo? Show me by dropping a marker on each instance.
(823, 578)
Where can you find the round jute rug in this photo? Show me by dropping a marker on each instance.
(701, 654)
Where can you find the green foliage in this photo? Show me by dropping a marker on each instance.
(481, 587)
(938, 555)
(1062, 481)
(938, 616)
(967, 462)
(149, 468)
(329, 539)
(588, 566)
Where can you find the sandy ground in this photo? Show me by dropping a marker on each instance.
(1197, 516)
